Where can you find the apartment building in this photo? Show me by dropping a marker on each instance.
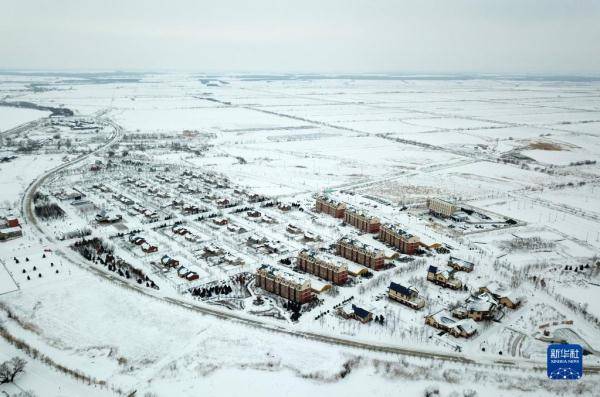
(361, 220)
(398, 238)
(312, 262)
(284, 284)
(360, 253)
(330, 206)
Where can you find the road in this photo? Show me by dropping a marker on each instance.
(30, 218)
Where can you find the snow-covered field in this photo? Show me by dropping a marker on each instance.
(523, 151)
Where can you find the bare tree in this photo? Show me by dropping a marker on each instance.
(11, 368)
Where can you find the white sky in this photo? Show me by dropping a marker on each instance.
(337, 36)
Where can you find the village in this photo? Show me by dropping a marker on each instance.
(224, 216)
(326, 261)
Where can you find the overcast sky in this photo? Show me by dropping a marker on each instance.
(496, 36)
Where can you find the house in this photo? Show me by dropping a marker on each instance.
(355, 312)
(167, 261)
(223, 202)
(267, 219)
(149, 248)
(504, 297)
(443, 277)
(253, 214)
(236, 229)
(220, 221)
(477, 307)
(284, 207)
(285, 284)
(443, 320)
(191, 276)
(308, 236)
(330, 206)
(361, 220)
(180, 230)
(212, 250)
(442, 208)
(108, 217)
(137, 240)
(10, 232)
(255, 198)
(232, 260)
(11, 221)
(322, 266)
(398, 238)
(255, 239)
(123, 199)
(460, 264)
(360, 253)
(407, 296)
(293, 229)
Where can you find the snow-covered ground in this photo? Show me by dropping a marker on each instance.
(509, 150)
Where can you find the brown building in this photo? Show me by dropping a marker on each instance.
(443, 277)
(361, 220)
(398, 238)
(284, 284)
(458, 328)
(310, 262)
(330, 206)
(360, 253)
(407, 296)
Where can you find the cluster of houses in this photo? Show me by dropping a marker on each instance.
(182, 271)
(10, 227)
(143, 244)
(186, 233)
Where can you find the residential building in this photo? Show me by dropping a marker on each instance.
(284, 284)
(355, 312)
(504, 296)
(319, 265)
(330, 206)
(360, 253)
(10, 232)
(460, 264)
(407, 296)
(393, 235)
(361, 220)
(477, 307)
(441, 207)
(443, 320)
(443, 278)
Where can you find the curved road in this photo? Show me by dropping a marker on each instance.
(29, 216)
